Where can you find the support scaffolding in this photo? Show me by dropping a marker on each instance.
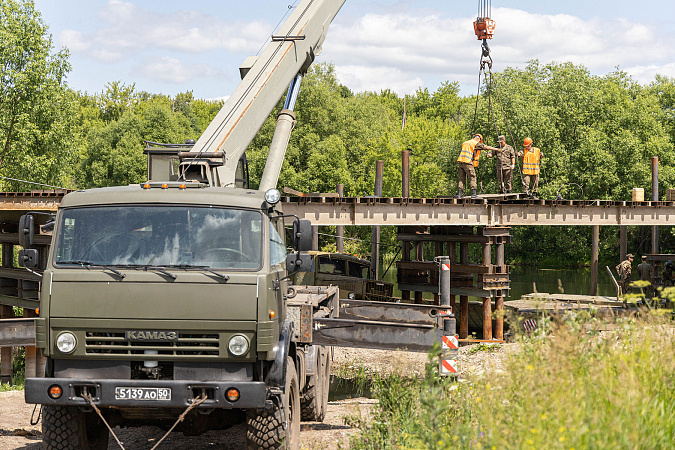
(487, 281)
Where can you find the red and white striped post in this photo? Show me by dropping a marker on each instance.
(449, 344)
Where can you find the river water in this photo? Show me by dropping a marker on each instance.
(526, 280)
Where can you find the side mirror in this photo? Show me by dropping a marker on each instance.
(302, 235)
(298, 262)
(26, 230)
(28, 257)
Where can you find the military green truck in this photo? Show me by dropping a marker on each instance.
(161, 295)
(173, 295)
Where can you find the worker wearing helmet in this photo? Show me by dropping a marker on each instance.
(531, 161)
(506, 162)
(468, 160)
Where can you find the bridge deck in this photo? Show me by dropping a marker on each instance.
(480, 212)
(491, 210)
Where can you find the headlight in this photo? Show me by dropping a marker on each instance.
(351, 296)
(66, 342)
(272, 196)
(238, 345)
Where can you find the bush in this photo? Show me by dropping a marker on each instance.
(571, 389)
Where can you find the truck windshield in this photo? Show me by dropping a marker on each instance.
(160, 236)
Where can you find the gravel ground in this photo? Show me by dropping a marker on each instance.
(17, 433)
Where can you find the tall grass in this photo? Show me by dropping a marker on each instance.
(572, 389)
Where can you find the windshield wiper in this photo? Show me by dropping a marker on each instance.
(88, 264)
(204, 268)
(160, 270)
(147, 267)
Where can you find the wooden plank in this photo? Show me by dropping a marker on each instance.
(9, 300)
(18, 274)
(573, 298)
(433, 289)
(443, 238)
(432, 266)
(11, 238)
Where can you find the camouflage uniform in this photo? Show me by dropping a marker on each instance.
(504, 171)
(625, 270)
(646, 273)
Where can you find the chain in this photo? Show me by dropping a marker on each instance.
(199, 401)
(88, 398)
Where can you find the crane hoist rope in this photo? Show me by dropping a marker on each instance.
(484, 28)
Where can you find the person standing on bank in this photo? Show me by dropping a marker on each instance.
(531, 162)
(506, 162)
(468, 160)
(625, 270)
(646, 273)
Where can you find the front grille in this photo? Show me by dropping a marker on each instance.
(187, 344)
(163, 371)
(377, 291)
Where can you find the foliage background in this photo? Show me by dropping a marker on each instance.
(598, 132)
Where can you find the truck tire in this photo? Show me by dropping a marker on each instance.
(265, 429)
(311, 396)
(67, 427)
(326, 357)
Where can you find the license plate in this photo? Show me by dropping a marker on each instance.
(128, 393)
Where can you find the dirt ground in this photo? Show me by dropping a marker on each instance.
(17, 433)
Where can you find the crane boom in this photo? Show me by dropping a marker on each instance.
(289, 53)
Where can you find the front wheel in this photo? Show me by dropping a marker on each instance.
(279, 427)
(67, 427)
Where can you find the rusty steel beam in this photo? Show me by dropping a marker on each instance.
(17, 332)
(604, 213)
(389, 312)
(340, 232)
(655, 197)
(375, 335)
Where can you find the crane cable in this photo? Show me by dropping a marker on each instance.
(484, 28)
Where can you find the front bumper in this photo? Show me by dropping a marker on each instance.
(252, 393)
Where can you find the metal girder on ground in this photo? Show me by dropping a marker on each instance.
(17, 332)
(375, 335)
(391, 312)
(341, 212)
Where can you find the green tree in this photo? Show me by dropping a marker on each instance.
(36, 108)
(113, 154)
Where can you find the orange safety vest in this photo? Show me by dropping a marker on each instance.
(531, 161)
(468, 152)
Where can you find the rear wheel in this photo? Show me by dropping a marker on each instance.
(67, 427)
(279, 427)
(325, 374)
(311, 401)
